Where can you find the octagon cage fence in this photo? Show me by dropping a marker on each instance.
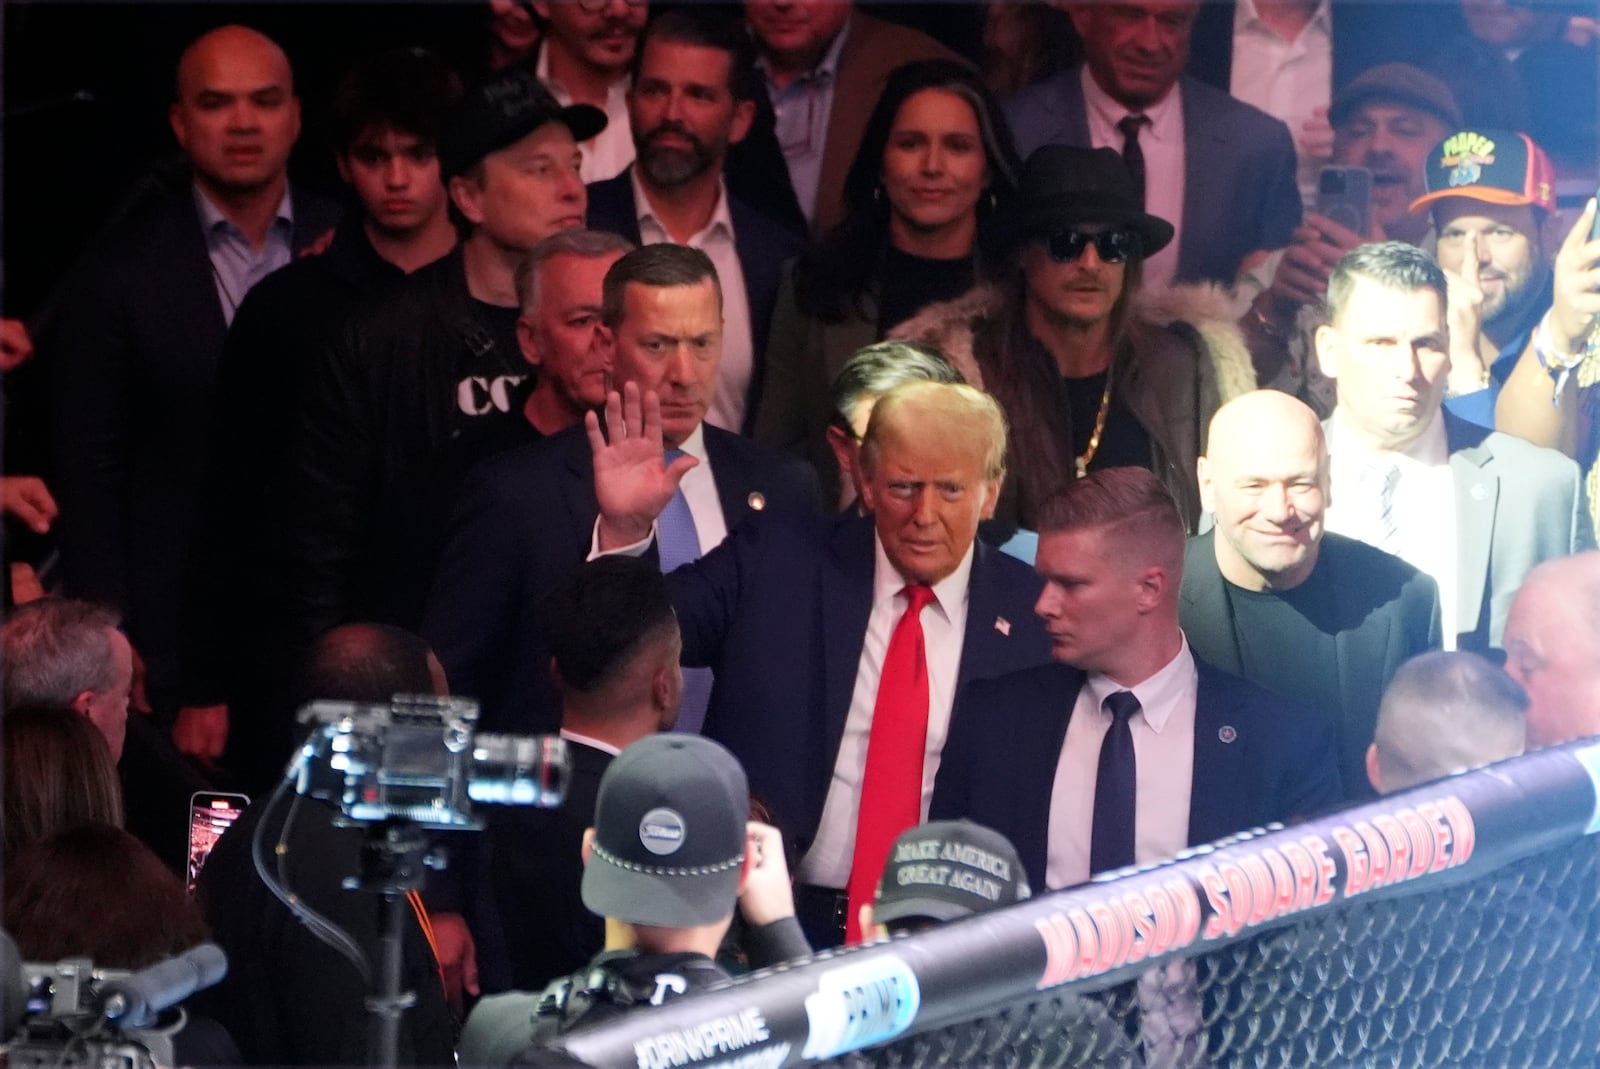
(1451, 924)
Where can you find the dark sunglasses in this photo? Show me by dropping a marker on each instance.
(1112, 246)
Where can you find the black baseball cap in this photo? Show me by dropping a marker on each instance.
(502, 109)
(947, 869)
(669, 834)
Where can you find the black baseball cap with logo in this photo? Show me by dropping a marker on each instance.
(947, 869)
(503, 109)
(669, 834)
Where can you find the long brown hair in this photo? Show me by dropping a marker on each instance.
(96, 891)
(58, 773)
(1029, 389)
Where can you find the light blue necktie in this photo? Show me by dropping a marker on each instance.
(677, 542)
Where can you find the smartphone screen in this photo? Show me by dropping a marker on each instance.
(1344, 194)
(209, 816)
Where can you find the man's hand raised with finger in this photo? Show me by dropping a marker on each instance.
(632, 481)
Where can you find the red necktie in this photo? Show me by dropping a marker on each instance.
(891, 787)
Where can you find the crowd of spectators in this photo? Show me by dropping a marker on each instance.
(1119, 425)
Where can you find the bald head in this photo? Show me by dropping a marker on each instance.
(235, 114)
(368, 663)
(1265, 479)
(1552, 645)
(1441, 713)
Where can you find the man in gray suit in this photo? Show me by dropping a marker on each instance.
(1475, 509)
(1221, 171)
(1268, 594)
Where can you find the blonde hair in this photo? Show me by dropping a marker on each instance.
(952, 409)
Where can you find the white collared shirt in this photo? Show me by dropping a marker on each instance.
(608, 152)
(1288, 80)
(1424, 506)
(590, 741)
(738, 343)
(1163, 747)
(944, 624)
(1162, 144)
(699, 488)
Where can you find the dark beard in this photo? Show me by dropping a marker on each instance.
(670, 168)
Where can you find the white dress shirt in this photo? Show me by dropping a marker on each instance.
(944, 625)
(1288, 80)
(590, 741)
(1163, 747)
(1162, 144)
(608, 152)
(699, 488)
(738, 343)
(1424, 506)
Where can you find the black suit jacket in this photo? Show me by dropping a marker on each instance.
(1257, 758)
(780, 611)
(524, 519)
(763, 245)
(1384, 613)
(535, 872)
(140, 337)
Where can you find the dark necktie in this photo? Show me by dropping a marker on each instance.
(1132, 154)
(1115, 789)
(891, 785)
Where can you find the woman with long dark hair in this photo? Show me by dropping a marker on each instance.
(58, 774)
(935, 164)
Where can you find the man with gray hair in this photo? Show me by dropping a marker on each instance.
(559, 288)
(527, 518)
(1444, 712)
(70, 655)
(865, 377)
(1553, 648)
(63, 653)
(1473, 508)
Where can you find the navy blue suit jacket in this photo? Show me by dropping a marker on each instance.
(763, 245)
(780, 611)
(1257, 758)
(1239, 191)
(524, 519)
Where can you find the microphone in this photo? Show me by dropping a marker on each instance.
(136, 1000)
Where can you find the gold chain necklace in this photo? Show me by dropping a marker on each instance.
(1099, 428)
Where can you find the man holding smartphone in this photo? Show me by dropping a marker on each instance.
(1385, 122)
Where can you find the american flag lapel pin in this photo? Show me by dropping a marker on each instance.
(1002, 625)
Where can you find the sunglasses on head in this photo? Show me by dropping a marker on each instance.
(1112, 246)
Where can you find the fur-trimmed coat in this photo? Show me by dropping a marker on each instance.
(1180, 359)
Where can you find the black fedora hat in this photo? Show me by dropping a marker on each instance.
(1064, 186)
